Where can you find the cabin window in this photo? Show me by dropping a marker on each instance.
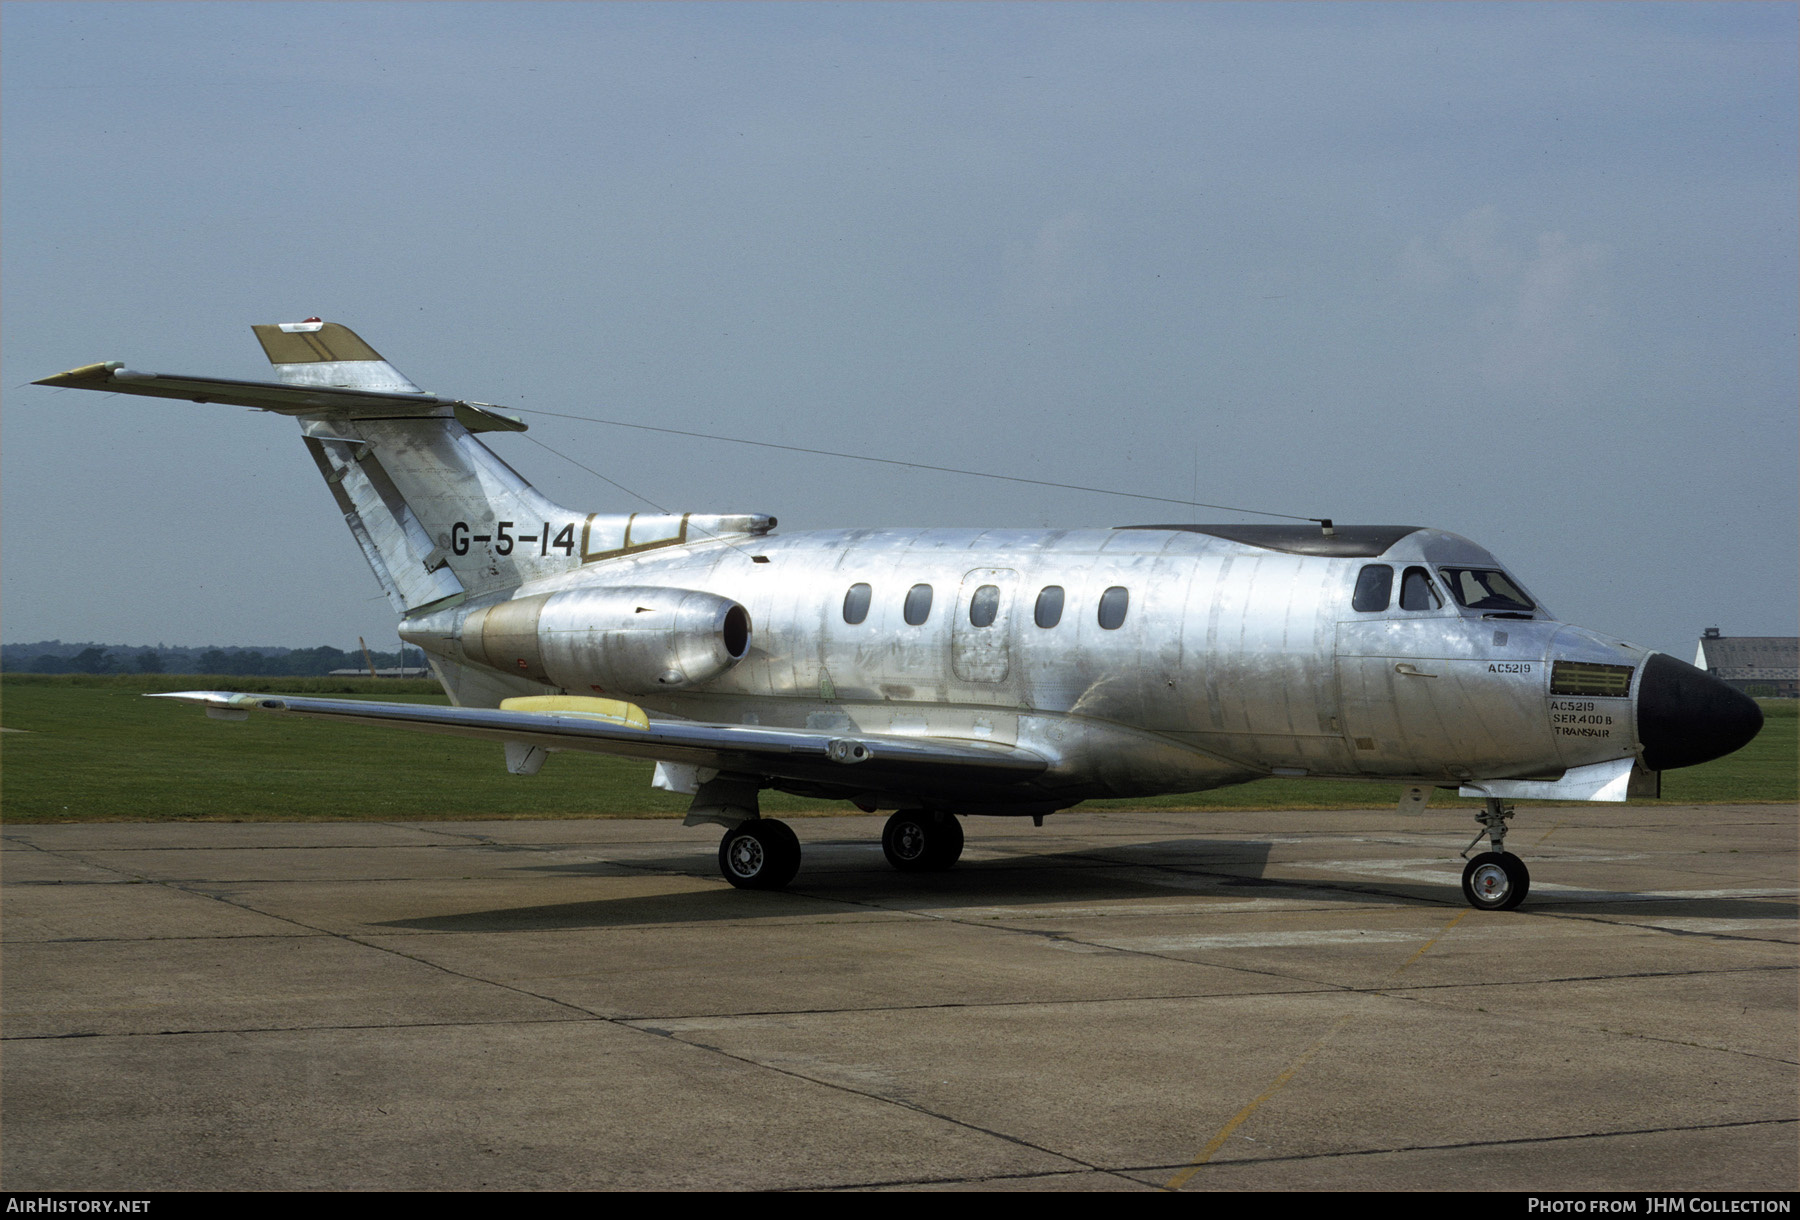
(1112, 607)
(918, 605)
(1374, 588)
(984, 606)
(1485, 589)
(856, 604)
(1417, 592)
(1049, 606)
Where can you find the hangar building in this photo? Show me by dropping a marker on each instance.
(1764, 666)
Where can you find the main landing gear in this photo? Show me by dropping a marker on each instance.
(764, 854)
(920, 841)
(1495, 880)
(760, 854)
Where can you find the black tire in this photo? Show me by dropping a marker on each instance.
(762, 854)
(919, 841)
(950, 850)
(1496, 881)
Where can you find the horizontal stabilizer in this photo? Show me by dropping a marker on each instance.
(285, 399)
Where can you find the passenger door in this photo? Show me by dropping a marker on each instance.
(981, 625)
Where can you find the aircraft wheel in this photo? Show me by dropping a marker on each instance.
(951, 851)
(761, 854)
(919, 841)
(1496, 881)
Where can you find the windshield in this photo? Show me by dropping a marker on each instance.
(1484, 589)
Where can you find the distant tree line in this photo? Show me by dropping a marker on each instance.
(56, 657)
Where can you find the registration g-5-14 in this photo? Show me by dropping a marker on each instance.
(503, 540)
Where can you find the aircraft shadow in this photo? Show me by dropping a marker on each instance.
(852, 873)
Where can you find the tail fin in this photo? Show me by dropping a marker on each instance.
(438, 515)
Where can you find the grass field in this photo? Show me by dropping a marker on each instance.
(90, 748)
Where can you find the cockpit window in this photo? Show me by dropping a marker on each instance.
(1484, 589)
(1374, 588)
(1417, 592)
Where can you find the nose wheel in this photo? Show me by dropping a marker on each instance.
(1495, 880)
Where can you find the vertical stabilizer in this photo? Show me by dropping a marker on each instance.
(437, 513)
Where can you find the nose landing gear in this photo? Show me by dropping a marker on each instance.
(1495, 880)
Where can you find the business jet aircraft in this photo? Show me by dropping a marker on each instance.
(946, 672)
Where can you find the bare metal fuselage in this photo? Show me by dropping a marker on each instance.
(1232, 660)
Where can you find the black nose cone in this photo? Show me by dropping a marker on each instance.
(1687, 716)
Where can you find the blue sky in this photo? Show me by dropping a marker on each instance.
(1524, 272)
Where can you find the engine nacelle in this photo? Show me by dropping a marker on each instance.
(632, 640)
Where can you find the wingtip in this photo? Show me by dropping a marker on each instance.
(215, 698)
(85, 375)
(223, 704)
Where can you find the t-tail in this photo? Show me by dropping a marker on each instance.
(439, 516)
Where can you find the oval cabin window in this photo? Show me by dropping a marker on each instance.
(1112, 607)
(918, 605)
(984, 606)
(856, 604)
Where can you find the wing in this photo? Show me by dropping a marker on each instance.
(849, 760)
